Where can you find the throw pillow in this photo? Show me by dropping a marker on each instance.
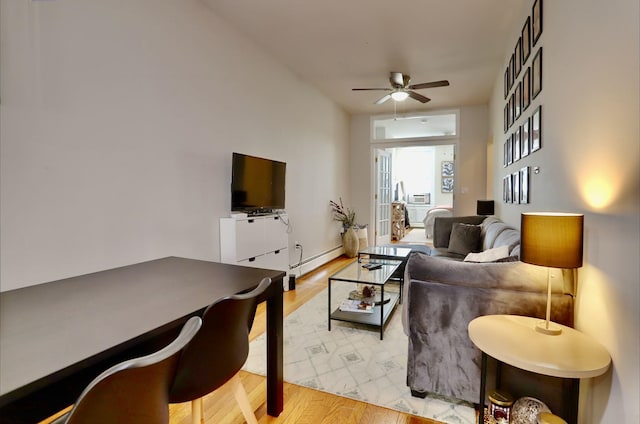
(465, 238)
(489, 255)
(509, 259)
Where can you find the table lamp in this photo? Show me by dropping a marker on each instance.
(553, 240)
(485, 207)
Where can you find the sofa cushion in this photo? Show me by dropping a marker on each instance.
(510, 238)
(508, 259)
(464, 239)
(491, 229)
(443, 253)
(491, 255)
(442, 227)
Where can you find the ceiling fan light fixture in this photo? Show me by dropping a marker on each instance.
(399, 96)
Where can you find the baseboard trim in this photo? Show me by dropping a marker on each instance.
(310, 264)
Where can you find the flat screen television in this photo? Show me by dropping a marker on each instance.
(257, 184)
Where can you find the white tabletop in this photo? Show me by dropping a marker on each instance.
(513, 340)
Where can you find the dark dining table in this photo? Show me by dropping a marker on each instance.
(56, 337)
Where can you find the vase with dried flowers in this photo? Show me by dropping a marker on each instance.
(348, 218)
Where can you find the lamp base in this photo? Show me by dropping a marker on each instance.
(548, 328)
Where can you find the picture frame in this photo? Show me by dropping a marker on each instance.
(505, 150)
(506, 83)
(506, 117)
(518, 102)
(510, 150)
(525, 138)
(526, 89)
(536, 129)
(525, 36)
(516, 145)
(517, 63)
(516, 187)
(447, 168)
(536, 74)
(524, 185)
(512, 78)
(504, 189)
(512, 107)
(536, 21)
(447, 185)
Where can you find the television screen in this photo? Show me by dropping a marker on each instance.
(257, 184)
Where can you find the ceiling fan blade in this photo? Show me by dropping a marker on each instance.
(369, 89)
(433, 84)
(418, 97)
(396, 79)
(383, 99)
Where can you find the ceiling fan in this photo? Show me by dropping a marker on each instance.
(400, 88)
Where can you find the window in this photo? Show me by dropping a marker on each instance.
(422, 126)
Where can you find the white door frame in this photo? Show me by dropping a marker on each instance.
(383, 145)
(382, 196)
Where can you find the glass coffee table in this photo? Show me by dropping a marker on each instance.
(388, 252)
(355, 273)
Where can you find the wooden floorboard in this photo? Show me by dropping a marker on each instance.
(301, 405)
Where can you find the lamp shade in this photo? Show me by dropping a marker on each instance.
(485, 207)
(552, 239)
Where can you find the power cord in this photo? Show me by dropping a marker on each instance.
(299, 265)
(287, 222)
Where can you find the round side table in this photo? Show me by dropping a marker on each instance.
(513, 340)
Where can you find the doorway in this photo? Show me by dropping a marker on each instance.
(423, 178)
(417, 167)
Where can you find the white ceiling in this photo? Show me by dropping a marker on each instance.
(337, 45)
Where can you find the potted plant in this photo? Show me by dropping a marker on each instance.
(348, 218)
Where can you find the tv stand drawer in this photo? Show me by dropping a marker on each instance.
(250, 237)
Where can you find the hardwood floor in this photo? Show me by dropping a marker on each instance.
(301, 405)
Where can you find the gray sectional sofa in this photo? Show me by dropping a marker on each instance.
(443, 293)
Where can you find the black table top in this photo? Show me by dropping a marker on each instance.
(49, 329)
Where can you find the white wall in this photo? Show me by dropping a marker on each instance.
(360, 184)
(471, 159)
(589, 164)
(118, 123)
(416, 168)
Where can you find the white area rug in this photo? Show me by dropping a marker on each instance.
(351, 360)
(416, 235)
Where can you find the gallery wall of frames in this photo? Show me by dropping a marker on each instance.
(522, 124)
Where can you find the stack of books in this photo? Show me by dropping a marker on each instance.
(349, 305)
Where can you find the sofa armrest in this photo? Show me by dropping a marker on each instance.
(507, 276)
(441, 357)
(518, 276)
(442, 297)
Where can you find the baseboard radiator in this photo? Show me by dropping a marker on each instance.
(313, 262)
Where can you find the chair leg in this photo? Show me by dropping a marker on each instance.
(242, 399)
(197, 411)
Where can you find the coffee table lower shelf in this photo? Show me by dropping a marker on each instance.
(376, 318)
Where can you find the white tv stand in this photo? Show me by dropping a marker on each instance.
(258, 241)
